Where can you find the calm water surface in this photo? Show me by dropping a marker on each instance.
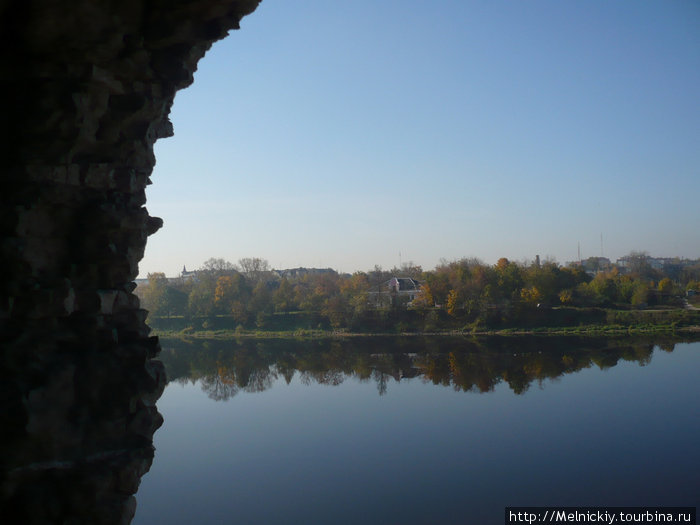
(446, 432)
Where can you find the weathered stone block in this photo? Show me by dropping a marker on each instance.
(90, 84)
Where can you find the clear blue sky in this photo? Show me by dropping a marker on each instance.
(342, 134)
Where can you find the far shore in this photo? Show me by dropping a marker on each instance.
(598, 331)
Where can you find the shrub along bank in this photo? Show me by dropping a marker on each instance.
(564, 320)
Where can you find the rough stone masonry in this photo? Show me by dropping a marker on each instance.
(88, 85)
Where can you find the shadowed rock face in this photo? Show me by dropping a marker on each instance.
(89, 87)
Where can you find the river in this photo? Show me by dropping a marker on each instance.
(412, 430)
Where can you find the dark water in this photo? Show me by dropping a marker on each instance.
(421, 431)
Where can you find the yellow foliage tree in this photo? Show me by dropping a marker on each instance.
(223, 295)
(566, 296)
(452, 302)
(424, 299)
(665, 286)
(531, 295)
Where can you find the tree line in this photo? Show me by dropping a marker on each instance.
(467, 290)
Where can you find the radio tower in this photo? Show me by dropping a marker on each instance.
(579, 252)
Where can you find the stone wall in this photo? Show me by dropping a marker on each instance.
(90, 84)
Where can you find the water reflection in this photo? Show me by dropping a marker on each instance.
(225, 368)
(378, 431)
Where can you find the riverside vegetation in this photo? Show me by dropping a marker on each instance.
(465, 295)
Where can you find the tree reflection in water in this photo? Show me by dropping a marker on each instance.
(225, 368)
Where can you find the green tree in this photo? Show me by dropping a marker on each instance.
(175, 301)
(231, 295)
(690, 274)
(283, 297)
(585, 295)
(439, 284)
(544, 278)
(154, 294)
(201, 299)
(605, 287)
(640, 297)
(261, 299)
(510, 278)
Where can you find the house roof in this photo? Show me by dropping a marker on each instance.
(404, 283)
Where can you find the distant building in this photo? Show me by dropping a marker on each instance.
(396, 291)
(187, 276)
(595, 265)
(670, 266)
(405, 286)
(296, 273)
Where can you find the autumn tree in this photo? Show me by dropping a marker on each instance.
(356, 283)
(665, 286)
(693, 285)
(336, 308)
(162, 298)
(545, 279)
(355, 292)
(424, 299)
(531, 296)
(509, 278)
(439, 285)
(482, 289)
(326, 287)
(453, 302)
(232, 294)
(566, 297)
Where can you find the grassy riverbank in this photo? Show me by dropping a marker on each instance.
(558, 321)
